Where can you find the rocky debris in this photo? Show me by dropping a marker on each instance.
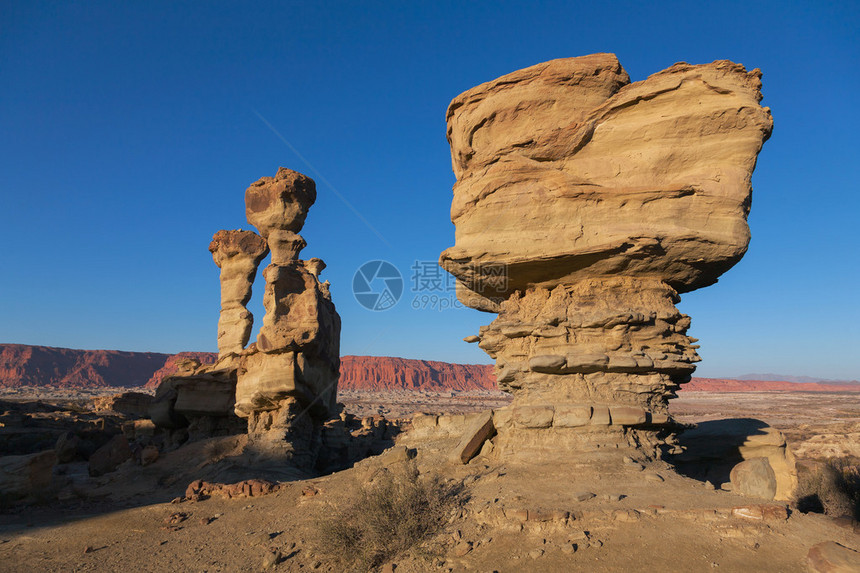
(134, 404)
(713, 448)
(199, 490)
(108, 457)
(27, 476)
(66, 447)
(754, 478)
(237, 254)
(831, 557)
(349, 439)
(478, 432)
(762, 512)
(148, 455)
(32, 427)
(584, 204)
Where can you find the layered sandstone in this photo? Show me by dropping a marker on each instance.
(584, 204)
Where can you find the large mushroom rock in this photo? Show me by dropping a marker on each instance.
(584, 204)
(237, 254)
(277, 207)
(565, 171)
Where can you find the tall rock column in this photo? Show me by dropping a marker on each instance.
(237, 254)
(584, 204)
(288, 384)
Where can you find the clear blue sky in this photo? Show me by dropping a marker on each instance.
(130, 130)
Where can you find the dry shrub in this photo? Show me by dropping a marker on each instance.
(398, 511)
(831, 487)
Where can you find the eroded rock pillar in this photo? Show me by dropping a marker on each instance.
(288, 385)
(237, 254)
(584, 204)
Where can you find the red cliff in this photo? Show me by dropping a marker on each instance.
(22, 365)
(388, 373)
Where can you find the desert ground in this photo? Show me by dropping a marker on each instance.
(513, 516)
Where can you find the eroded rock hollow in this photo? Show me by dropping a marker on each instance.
(584, 205)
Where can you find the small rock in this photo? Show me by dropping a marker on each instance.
(656, 478)
(462, 549)
(310, 491)
(88, 549)
(709, 485)
(613, 497)
(583, 496)
(271, 559)
(175, 518)
(535, 553)
(259, 539)
(148, 455)
(595, 543)
(389, 568)
(568, 548)
(830, 557)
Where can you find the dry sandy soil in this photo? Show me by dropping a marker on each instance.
(514, 516)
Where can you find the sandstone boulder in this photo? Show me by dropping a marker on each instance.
(67, 447)
(134, 404)
(754, 478)
(713, 448)
(831, 557)
(108, 457)
(277, 207)
(26, 476)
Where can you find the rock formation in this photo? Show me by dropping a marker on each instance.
(285, 383)
(237, 254)
(584, 204)
(288, 383)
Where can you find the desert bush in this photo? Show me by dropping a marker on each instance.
(831, 487)
(394, 513)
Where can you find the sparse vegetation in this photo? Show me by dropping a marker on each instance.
(394, 513)
(831, 487)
